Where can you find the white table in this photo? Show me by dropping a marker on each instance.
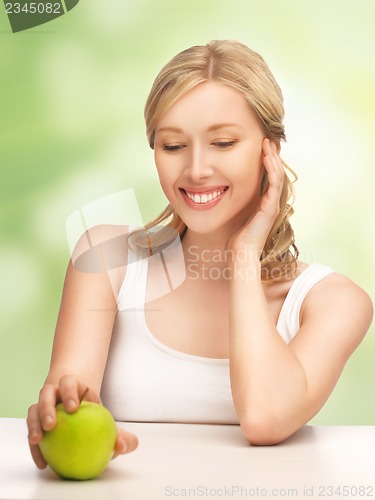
(204, 461)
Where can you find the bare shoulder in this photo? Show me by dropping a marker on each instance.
(339, 290)
(100, 256)
(339, 302)
(101, 247)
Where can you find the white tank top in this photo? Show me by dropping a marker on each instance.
(147, 381)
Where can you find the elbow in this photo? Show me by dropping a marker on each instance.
(263, 430)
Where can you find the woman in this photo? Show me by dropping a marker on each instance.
(252, 335)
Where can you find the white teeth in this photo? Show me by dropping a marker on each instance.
(205, 198)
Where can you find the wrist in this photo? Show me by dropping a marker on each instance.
(246, 257)
(245, 267)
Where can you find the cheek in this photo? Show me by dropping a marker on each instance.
(250, 169)
(166, 175)
(248, 178)
(161, 167)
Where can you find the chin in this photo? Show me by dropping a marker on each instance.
(202, 228)
(205, 225)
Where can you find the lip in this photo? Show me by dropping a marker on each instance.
(203, 206)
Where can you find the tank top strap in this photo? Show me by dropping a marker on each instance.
(133, 289)
(288, 322)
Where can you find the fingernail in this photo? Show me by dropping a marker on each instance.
(124, 447)
(71, 404)
(47, 421)
(41, 464)
(33, 435)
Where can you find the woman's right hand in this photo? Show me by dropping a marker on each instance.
(42, 415)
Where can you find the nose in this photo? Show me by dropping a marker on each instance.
(199, 165)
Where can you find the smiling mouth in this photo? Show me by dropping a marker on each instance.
(204, 197)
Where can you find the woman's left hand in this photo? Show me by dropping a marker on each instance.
(252, 237)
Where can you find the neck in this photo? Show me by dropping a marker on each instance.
(210, 249)
(210, 241)
(206, 255)
(216, 240)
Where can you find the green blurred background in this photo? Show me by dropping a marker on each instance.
(72, 131)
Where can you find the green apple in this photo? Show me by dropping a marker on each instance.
(82, 443)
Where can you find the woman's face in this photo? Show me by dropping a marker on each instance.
(208, 153)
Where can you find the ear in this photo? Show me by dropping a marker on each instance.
(277, 142)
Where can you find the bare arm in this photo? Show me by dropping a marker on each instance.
(79, 355)
(84, 328)
(277, 387)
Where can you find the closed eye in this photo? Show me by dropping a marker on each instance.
(172, 147)
(224, 144)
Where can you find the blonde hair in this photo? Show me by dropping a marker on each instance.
(245, 71)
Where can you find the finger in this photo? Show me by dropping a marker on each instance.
(273, 164)
(46, 406)
(269, 160)
(276, 158)
(72, 392)
(131, 440)
(37, 456)
(34, 425)
(275, 176)
(126, 442)
(272, 153)
(270, 202)
(266, 146)
(35, 436)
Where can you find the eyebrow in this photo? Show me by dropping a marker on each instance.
(170, 129)
(210, 129)
(223, 125)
